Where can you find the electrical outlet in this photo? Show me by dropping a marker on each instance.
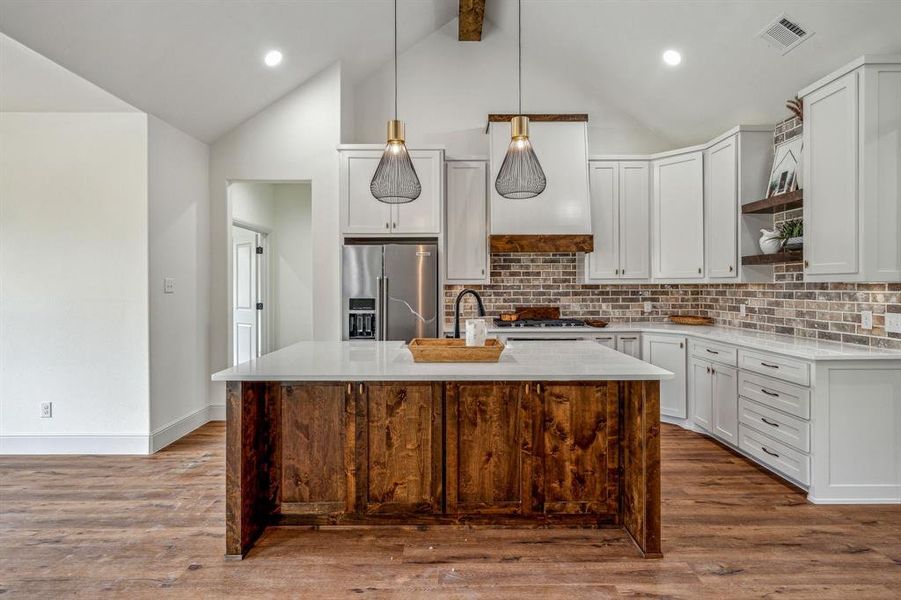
(893, 322)
(169, 285)
(46, 410)
(743, 310)
(866, 319)
(648, 307)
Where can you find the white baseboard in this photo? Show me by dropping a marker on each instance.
(177, 429)
(111, 444)
(217, 412)
(74, 444)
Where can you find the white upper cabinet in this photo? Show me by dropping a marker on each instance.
(830, 178)
(721, 201)
(467, 222)
(604, 184)
(852, 173)
(619, 217)
(678, 217)
(563, 207)
(361, 213)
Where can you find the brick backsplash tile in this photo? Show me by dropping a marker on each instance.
(827, 311)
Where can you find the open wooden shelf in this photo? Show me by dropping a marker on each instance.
(789, 256)
(774, 204)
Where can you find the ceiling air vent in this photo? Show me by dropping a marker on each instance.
(784, 34)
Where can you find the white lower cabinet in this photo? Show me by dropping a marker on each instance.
(629, 344)
(669, 352)
(713, 391)
(606, 340)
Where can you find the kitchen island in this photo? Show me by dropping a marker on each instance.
(332, 433)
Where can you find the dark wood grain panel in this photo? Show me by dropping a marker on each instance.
(542, 243)
(472, 14)
(541, 117)
(580, 457)
(315, 445)
(641, 464)
(403, 459)
(252, 474)
(489, 428)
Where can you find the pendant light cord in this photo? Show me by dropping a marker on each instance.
(395, 60)
(519, 41)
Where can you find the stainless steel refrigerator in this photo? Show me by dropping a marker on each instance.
(390, 291)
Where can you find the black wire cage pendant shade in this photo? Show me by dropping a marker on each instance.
(395, 180)
(520, 175)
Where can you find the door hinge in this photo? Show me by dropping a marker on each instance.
(259, 249)
(259, 306)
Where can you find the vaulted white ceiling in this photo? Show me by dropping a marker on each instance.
(197, 63)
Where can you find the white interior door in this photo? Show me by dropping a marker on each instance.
(245, 295)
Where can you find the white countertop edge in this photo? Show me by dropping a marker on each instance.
(776, 343)
(222, 376)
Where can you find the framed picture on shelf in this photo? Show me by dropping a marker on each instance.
(786, 162)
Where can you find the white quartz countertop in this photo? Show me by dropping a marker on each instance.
(798, 347)
(392, 361)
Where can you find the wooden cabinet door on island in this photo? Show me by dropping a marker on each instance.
(399, 461)
(489, 441)
(317, 449)
(579, 450)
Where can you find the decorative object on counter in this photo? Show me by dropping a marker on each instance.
(465, 292)
(596, 322)
(436, 350)
(520, 175)
(796, 106)
(770, 241)
(691, 320)
(784, 176)
(508, 317)
(395, 180)
(792, 234)
(476, 332)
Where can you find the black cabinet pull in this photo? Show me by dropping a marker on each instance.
(769, 393)
(712, 351)
(768, 452)
(768, 365)
(768, 422)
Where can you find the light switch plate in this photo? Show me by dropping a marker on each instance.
(648, 307)
(893, 322)
(169, 285)
(743, 310)
(46, 410)
(866, 319)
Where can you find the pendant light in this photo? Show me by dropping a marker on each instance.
(395, 180)
(520, 175)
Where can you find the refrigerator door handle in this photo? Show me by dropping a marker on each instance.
(382, 307)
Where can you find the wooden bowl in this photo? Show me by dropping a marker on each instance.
(425, 350)
(690, 320)
(509, 317)
(596, 322)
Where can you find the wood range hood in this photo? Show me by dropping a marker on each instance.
(559, 219)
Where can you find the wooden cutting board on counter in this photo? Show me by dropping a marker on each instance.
(537, 312)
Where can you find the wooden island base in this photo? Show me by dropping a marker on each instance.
(549, 453)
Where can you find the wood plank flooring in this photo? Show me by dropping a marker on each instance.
(153, 527)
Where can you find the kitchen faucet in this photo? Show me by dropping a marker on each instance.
(478, 298)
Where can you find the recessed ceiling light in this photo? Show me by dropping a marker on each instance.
(272, 58)
(672, 58)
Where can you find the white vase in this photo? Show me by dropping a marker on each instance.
(770, 242)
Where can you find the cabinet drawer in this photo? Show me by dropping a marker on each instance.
(779, 426)
(714, 352)
(786, 397)
(789, 369)
(787, 461)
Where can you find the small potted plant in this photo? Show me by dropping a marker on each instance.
(792, 234)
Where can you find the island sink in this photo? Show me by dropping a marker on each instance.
(407, 443)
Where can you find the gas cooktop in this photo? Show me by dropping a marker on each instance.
(541, 323)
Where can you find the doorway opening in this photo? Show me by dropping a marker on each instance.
(271, 266)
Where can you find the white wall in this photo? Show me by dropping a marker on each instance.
(448, 88)
(179, 248)
(292, 139)
(73, 282)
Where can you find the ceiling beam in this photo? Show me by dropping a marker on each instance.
(472, 14)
